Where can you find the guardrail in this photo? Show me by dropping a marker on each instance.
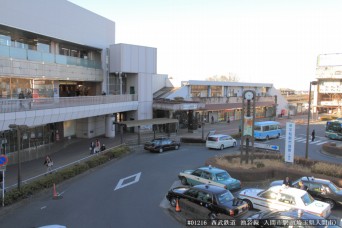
(20, 105)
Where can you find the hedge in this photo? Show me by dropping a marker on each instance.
(48, 181)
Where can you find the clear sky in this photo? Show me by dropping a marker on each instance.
(265, 41)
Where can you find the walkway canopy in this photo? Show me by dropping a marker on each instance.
(138, 123)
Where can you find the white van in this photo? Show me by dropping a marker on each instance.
(220, 141)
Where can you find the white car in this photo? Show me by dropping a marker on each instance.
(220, 141)
(284, 198)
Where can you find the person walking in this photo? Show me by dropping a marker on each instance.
(49, 163)
(228, 121)
(212, 119)
(313, 135)
(92, 147)
(287, 182)
(97, 146)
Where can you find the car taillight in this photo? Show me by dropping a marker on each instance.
(231, 212)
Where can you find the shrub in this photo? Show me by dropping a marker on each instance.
(259, 164)
(327, 169)
(49, 180)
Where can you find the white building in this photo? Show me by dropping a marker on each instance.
(219, 101)
(61, 58)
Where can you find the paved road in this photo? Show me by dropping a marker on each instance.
(126, 193)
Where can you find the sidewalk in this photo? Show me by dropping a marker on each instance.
(76, 149)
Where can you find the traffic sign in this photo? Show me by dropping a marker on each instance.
(3, 160)
(266, 146)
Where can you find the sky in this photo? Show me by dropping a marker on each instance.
(260, 41)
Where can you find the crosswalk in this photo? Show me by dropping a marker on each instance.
(318, 141)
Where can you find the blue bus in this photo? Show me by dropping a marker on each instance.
(333, 129)
(266, 130)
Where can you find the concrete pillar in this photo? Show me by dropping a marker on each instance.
(110, 126)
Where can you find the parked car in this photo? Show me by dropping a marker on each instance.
(209, 175)
(215, 199)
(286, 217)
(284, 198)
(161, 144)
(220, 141)
(320, 189)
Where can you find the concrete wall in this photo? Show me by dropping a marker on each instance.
(59, 19)
(133, 59)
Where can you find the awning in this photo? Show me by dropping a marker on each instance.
(136, 123)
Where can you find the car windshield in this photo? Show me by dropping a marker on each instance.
(222, 176)
(225, 197)
(307, 199)
(156, 141)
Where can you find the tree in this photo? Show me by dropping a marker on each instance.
(223, 78)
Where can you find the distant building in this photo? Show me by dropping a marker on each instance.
(328, 92)
(218, 101)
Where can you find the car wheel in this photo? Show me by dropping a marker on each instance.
(212, 215)
(250, 205)
(331, 202)
(234, 144)
(183, 181)
(176, 147)
(221, 148)
(173, 202)
(161, 150)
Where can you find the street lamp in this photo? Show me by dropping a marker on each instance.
(19, 128)
(308, 125)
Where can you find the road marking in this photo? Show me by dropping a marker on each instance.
(42, 208)
(135, 180)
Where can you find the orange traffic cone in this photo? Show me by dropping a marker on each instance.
(177, 206)
(54, 196)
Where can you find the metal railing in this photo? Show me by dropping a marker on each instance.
(20, 105)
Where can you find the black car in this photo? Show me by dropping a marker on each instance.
(161, 144)
(284, 218)
(216, 200)
(320, 189)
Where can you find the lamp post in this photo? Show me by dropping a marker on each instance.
(19, 128)
(308, 125)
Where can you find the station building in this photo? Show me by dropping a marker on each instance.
(62, 76)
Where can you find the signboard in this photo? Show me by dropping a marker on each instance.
(266, 146)
(248, 126)
(289, 142)
(3, 160)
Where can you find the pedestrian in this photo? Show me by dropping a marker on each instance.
(212, 119)
(21, 96)
(302, 186)
(97, 146)
(287, 182)
(49, 163)
(313, 135)
(228, 121)
(92, 147)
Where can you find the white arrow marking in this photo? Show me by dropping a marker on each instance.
(121, 185)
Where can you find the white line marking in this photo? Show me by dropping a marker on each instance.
(42, 208)
(120, 185)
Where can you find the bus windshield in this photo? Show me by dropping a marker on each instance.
(333, 129)
(334, 126)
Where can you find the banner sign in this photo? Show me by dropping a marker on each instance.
(289, 142)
